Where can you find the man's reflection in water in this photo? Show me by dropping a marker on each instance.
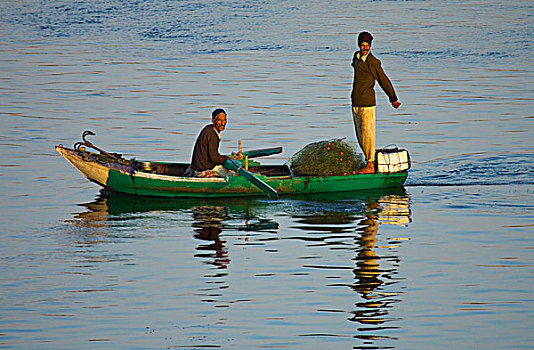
(372, 279)
(367, 270)
(208, 227)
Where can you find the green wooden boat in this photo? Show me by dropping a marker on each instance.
(163, 179)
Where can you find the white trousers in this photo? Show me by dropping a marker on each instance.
(364, 123)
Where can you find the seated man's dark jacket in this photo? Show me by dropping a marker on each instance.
(206, 151)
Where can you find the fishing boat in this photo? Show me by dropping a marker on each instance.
(166, 179)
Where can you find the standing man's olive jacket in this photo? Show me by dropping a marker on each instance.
(365, 74)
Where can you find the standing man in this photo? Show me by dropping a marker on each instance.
(206, 160)
(367, 70)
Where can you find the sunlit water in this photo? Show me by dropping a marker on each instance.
(445, 263)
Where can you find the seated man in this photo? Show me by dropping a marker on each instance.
(206, 160)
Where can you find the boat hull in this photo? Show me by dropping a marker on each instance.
(125, 178)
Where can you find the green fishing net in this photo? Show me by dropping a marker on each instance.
(327, 158)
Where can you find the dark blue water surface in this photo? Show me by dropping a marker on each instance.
(444, 263)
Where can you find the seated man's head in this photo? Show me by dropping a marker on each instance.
(218, 119)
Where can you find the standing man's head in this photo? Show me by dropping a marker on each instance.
(218, 119)
(364, 42)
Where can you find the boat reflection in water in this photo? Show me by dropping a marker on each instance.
(362, 226)
(210, 217)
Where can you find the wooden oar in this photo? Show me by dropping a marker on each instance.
(235, 165)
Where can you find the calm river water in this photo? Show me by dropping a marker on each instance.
(446, 262)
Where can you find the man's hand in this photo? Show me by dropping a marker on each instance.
(396, 104)
(234, 155)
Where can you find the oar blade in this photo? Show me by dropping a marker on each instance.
(271, 192)
(235, 165)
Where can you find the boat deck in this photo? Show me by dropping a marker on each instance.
(178, 169)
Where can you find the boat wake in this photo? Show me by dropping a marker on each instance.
(475, 169)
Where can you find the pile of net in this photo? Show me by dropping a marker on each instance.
(327, 158)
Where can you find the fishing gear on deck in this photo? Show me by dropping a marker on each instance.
(327, 158)
(103, 157)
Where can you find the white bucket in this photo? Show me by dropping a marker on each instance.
(392, 160)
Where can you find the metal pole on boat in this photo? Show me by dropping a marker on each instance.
(89, 144)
